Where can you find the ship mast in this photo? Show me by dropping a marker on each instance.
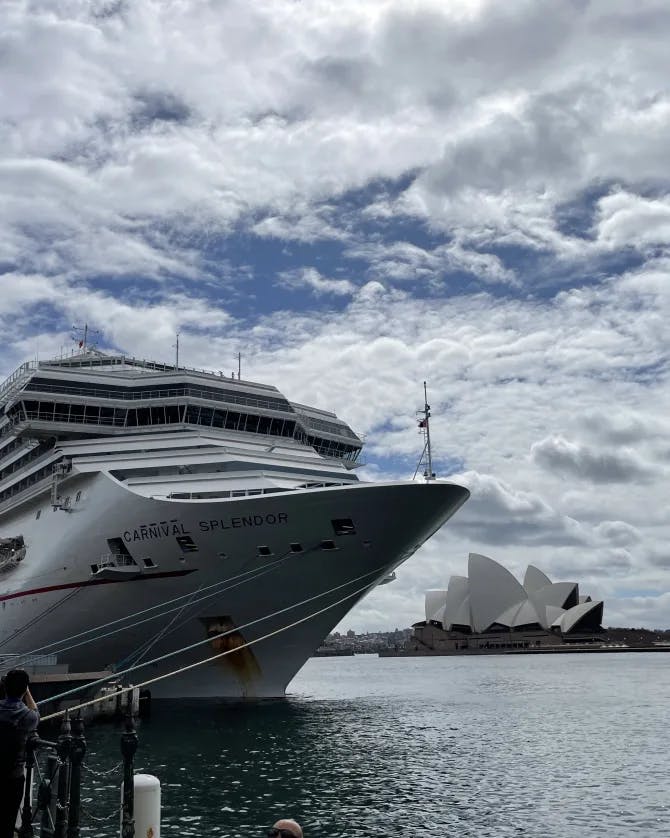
(426, 458)
(81, 335)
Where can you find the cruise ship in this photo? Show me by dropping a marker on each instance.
(158, 515)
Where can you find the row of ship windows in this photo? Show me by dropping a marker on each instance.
(121, 557)
(28, 481)
(263, 551)
(243, 493)
(329, 427)
(124, 394)
(28, 457)
(209, 393)
(158, 415)
(12, 446)
(179, 414)
(47, 471)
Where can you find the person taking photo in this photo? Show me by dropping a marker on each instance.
(19, 717)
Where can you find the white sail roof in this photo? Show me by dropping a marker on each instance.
(535, 579)
(493, 590)
(435, 601)
(457, 606)
(491, 596)
(570, 618)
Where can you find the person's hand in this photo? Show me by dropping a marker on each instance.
(28, 700)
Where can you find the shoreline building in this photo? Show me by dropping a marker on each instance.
(490, 610)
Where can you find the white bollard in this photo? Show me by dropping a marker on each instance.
(147, 806)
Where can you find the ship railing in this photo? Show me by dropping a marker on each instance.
(28, 662)
(326, 447)
(227, 493)
(167, 393)
(115, 560)
(84, 359)
(14, 382)
(67, 418)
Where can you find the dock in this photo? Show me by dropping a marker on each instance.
(48, 678)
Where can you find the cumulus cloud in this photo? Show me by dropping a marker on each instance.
(404, 261)
(626, 220)
(573, 459)
(311, 280)
(359, 197)
(623, 427)
(502, 112)
(499, 515)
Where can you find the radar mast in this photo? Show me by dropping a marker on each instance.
(426, 458)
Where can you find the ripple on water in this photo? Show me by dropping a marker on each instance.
(483, 747)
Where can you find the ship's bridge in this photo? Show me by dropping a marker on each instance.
(93, 394)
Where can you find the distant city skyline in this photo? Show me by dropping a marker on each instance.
(360, 196)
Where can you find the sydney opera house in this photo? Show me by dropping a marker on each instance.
(490, 610)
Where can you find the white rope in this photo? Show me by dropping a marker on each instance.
(121, 673)
(142, 651)
(211, 657)
(47, 611)
(144, 648)
(261, 571)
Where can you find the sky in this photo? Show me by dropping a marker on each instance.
(360, 195)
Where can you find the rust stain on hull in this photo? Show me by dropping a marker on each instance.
(241, 661)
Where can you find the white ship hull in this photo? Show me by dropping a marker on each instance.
(54, 594)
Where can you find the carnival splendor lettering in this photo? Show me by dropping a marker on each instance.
(243, 521)
(146, 532)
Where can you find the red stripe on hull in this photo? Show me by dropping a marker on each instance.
(90, 582)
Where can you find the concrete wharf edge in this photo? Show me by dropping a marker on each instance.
(428, 653)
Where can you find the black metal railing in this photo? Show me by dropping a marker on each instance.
(56, 812)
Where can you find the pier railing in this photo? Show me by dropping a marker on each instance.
(57, 810)
(59, 785)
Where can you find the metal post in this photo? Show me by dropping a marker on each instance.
(429, 473)
(128, 748)
(77, 757)
(45, 797)
(63, 749)
(26, 830)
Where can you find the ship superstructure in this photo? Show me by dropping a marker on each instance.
(126, 483)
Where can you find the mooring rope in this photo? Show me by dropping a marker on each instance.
(209, 639)
(144, 648)
(47, 649)
(136, 655)
(48, 610)
(219, 655)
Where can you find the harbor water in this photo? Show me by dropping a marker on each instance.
(561, 746)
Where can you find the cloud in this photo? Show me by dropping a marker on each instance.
(311, 280)
(360, 197)
(498, 515)
(626, 220)
(619, 532)
(640, 611)
(623, 427)
(576, 460)
(403, 261)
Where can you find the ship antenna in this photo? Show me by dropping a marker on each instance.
(81, 335)
(239, 366)
(176, 347)
(426, 458)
